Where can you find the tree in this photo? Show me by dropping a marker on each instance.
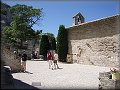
(23, 18)
(49, 34)
(62, 43)
(27, 13)
(52, 40)
(44, 45)
(53, 44)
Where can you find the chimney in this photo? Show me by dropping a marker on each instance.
(78, 19)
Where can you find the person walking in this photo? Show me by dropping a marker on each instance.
(24, 59)
(56, 61)
(50, 60)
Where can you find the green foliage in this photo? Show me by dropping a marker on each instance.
(49, 34)
(27, 13)
(20, 29)
(53, 44)
(4, 12)
(44, 45)
(7, 36)
(62, 43)
(52, 40)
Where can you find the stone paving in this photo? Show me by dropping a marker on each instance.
(69, 76)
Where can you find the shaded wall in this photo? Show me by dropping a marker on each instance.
(10, 59)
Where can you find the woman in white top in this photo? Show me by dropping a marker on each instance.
(56, 60)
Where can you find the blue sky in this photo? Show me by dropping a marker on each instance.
(60, 12)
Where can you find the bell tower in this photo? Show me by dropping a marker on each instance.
(78, 19)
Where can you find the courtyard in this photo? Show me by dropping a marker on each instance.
(69, 76)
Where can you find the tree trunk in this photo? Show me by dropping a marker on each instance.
(35, 40)
(21, 45)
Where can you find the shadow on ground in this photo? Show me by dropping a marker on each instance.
(18, 85)
(60, 68)
(36, 60)
(21, 85)
(29, 72)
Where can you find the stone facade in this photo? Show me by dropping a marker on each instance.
(105, 81)
(29, 44)
(78, 18)
(95, 43)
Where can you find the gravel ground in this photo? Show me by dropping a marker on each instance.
(69, 76)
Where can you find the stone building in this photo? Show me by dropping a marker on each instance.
(78, 18)
(94, 43)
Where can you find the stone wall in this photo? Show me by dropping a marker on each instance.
(105, 81)
(95, 43)
(30, 48)
(14, 60)
(10, 59)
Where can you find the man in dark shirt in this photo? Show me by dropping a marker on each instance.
(24, 59)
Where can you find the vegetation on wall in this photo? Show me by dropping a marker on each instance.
(62, 43)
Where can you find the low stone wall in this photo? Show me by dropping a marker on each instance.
(10, 59)
(106, 81)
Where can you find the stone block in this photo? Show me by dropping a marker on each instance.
(105, 81)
